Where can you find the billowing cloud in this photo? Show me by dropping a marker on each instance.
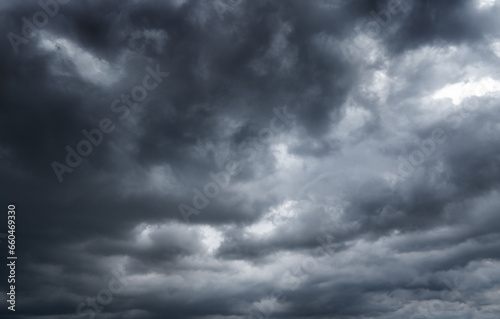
(252, 159)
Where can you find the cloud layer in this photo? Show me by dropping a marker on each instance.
(252, 159)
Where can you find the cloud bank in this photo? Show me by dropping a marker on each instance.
(252, 159)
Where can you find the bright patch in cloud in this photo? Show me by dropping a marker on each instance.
(485, 4)
(143, 232)
(495, 47)
(273, 219)
(284, 159)
(90, 67)
(459, 91)
(211, 237)
(354, 118)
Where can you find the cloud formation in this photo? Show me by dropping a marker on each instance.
(335, 158)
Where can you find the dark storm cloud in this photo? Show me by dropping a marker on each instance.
(311, 217)
(438, 22)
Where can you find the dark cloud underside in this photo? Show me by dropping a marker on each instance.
(356, 143)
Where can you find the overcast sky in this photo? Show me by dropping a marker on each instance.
(237, 159)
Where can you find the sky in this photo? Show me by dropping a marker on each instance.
(237, 159)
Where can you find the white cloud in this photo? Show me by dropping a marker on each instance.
(354, 118)
(485, 4)
(212, 238)
(285, 160)
(276, 217)
(457, 92)
(90, 67)
(495, 47)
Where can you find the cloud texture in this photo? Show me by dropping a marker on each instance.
(252, 159)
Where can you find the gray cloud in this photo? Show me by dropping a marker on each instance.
(378, 198)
